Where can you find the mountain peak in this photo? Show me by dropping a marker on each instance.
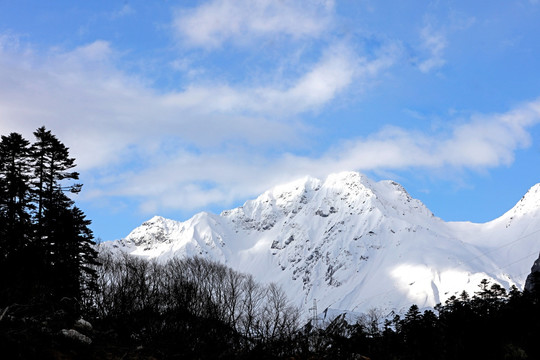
(150, 231)
(346, 241)
(528, 205)
(530, 201)
(156, 219)
(346, 176)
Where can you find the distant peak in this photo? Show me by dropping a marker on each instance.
(346, 176)
(301, 184)
(534, 191)
(529, 202)
(346, 179)
(154, 219)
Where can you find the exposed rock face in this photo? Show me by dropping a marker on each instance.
(529, 283)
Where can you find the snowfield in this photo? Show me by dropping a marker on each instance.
(351, 244)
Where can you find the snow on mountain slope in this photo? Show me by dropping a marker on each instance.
(352, 244)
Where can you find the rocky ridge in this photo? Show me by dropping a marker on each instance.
(351, 244)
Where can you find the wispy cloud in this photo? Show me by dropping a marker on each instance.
(105, 113)
(433, 42)
(484, 141)
(333, 73)
(216, 142)
(125, 10)
(240, 21)
(108, 117)
(434, 38)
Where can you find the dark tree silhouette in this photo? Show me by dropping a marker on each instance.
(46, 245)
(15, 214)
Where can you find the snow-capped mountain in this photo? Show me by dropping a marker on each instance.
(352, 244)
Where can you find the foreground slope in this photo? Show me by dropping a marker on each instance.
(351, 244)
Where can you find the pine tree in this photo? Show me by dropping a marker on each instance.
(73, 255)
(61, 228)
(51, 166)
(46, 250)
(15, 220)
(15, 199)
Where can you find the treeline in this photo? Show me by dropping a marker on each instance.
(195, 308)
(491, 324)
(190, 308)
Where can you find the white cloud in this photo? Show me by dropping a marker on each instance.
(125, 10)
(103, 114)
(434, 38)
(482, 142)
(213, 23)
(338, 68)
(433, 42)
(207, 144)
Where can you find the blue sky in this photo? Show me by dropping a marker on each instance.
(175, 107)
